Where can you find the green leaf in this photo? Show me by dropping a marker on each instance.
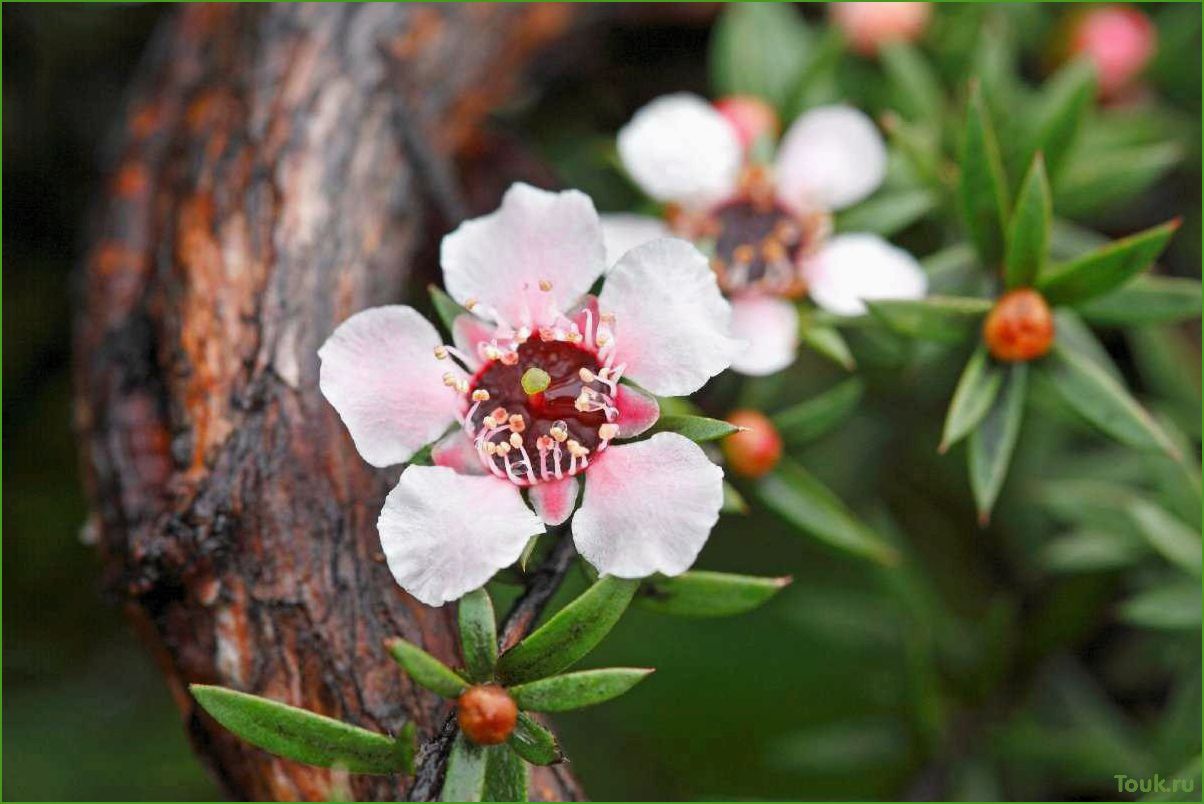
(466, 768)
(888, 213)
(1066, 97)
(708, 594)
(1076, 336)
(426, 670)
(478, 634)
(916, 89)
(577, 690)
(816, 79)
(976, 392)
(445, 307)
(1167, 534)
(1103, 270)
(1104, 182)
(982, 189)
(827, 342)
(992, 444)
(1172, 607)
(799, 498)
(300, 735)
(573, 632)
(695, 428)
(759, 49)
(947, 319)
(733, 501)
(533, 742)
(918, 145)
(1028, 232)
(505, 775)
(1090, 551)
(813, 418)
(1146, 300)
(1100, 399)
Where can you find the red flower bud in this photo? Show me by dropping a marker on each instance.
(869, 26)
(756, 450)
(1119, 40)
(751, 117)
(486, 714)
(1020, 327)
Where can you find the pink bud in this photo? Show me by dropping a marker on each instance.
(869, 26)
(751, 117)
(1120, 40)
(755, 450)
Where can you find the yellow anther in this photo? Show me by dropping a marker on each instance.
(489, 422)
(516, 440)
(503, 448)
(510, 358)
(585, 374)
(517, 423)
(545, 285)
(469, 304)
(608, 431)
(480, 395)
(440, 352)
(499, 414)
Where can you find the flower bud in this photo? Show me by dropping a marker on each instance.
(1020, 327)
(486, 714)
(752, 118)
(1119, 40)
(755, 451)
(869, 26)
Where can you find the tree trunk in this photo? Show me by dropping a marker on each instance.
(280, 167)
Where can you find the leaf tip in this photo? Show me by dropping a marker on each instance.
(984, 518)
(782, 581)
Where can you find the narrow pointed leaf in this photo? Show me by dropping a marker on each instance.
(799, 498)
(1167, 534)
(759, 49)
(577, 690)
(982, 188)
(699, 593)
(1144, 301)
(426, 670)
(695, 428)
(1174, 607)
(992, 444)
(533, 742)
(817, 416)
(887, 214)
(1105, 181)
(445, 307)
(976, 392)
(916, 90)
(1090, 551)
(407, 746)
(573, 632)
(1028, 231)
(1105, 269)
(505, 775)
(300, 735)
(1100, 399)
(829, 343)
(1072, 333)
(947, 319)
(466, 767)
(1066, 97)
(478, 634)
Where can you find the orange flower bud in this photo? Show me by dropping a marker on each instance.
(751, 117)
(486, 714)
(869, 26)
(1020, 327)
(756, 450)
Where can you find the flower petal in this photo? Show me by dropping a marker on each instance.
(832, 157)
(499, 260)
(457, 451)
(637, 411)
(469, 332)
(553, 500)
(445, 534)
(769, 326)
(671, 322)
(679, 148)
(380, 373)
(852, 268)
(648, 507)
(623, 232)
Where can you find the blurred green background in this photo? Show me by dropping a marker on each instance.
(968, 672)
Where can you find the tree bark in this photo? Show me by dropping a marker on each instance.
(279, 168)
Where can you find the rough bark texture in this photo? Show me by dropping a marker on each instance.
(280, 167)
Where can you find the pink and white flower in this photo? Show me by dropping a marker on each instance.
(766, 227)
(537, 380)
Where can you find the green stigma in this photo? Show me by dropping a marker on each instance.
(535, 380)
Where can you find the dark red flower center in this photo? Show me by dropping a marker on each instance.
(757, 246)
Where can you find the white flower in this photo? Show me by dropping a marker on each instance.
(534, 380)
(766, 226)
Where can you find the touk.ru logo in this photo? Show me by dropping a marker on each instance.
(1153, 784)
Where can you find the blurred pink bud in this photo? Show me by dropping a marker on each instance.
(1120, 40)
(869, 26)
(751, 117)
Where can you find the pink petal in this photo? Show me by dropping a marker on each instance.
(831, 158)
(637, 411)
(469, 332)
(445, 534)
(648, 507)
(457, 451)
(535, 237)
(554, 500)
(380, 373)
(623, 232)
(769, 326)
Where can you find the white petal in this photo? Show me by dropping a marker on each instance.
(671, 322)
(535, 236)
(852, 268)
(649, 507)
(380, 373)
(769, 326)
(456, 451)
(678, 148)
(831, 157)
(553, 500)
(623, 232)
(445, 534)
